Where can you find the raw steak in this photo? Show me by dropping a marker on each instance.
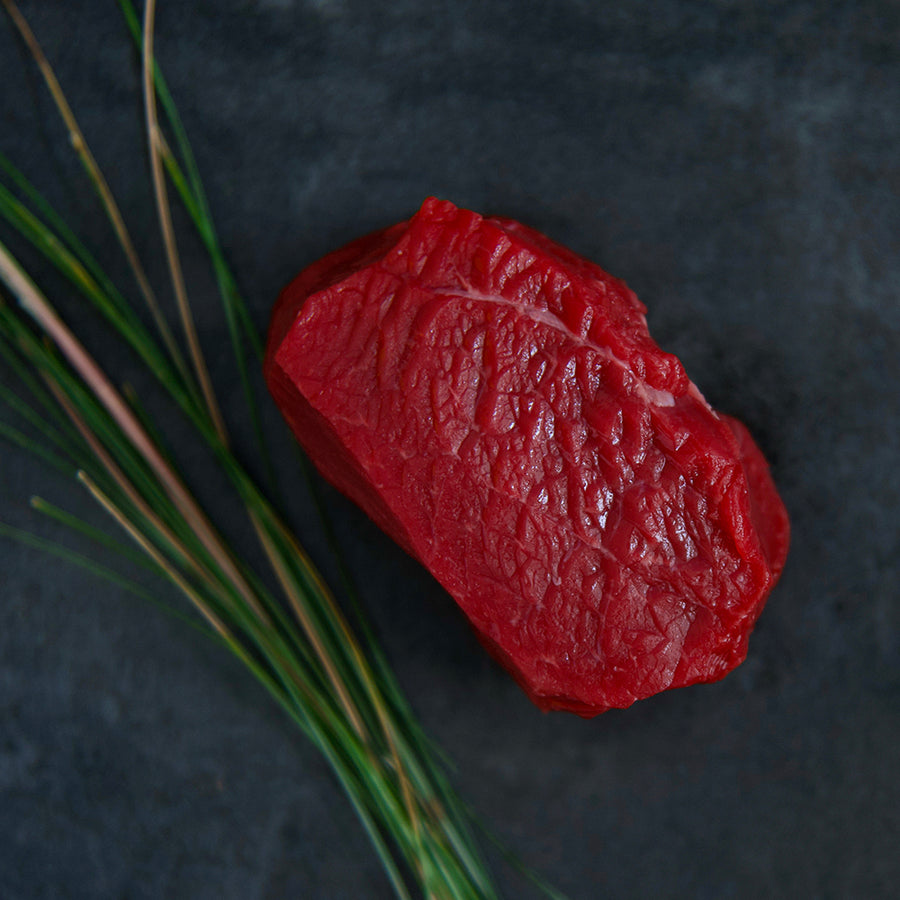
(495, 403)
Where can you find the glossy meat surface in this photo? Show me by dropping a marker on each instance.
(496, 404)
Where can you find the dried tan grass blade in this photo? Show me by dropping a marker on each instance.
(297, 606)
(151, 551)
(127, 487)
(81, 148)
(168, 232)
(364, 669)
(33, 302)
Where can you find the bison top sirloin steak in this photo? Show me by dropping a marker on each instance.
(495, 403)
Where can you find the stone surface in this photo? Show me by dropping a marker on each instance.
(736, 165)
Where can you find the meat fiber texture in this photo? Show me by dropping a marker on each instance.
(496, 404)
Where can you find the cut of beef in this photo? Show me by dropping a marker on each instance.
(495, 403)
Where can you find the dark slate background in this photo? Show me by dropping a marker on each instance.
(736, 163)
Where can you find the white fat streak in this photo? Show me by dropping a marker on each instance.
(653, 396)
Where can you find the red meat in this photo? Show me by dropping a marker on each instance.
(495, 403)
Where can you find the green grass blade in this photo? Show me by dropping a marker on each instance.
(93, 534)
(20, 439)
(53, 548)
(27, 412)
(56, 223)
(191, 191)
(113, 307)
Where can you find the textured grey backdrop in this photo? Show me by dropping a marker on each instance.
(736, 163)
